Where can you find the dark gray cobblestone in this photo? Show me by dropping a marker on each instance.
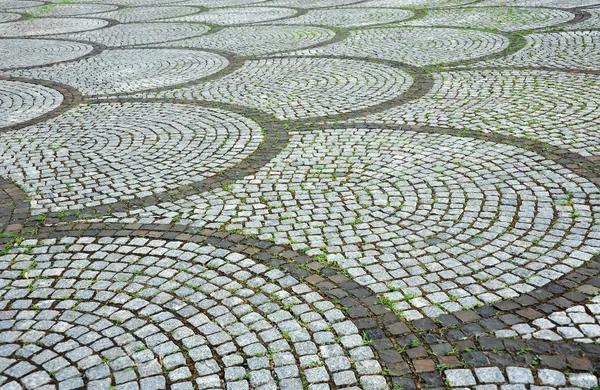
(593, 22)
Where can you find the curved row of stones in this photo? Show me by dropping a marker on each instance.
(432, 225)
(431, 228)
(111, 311)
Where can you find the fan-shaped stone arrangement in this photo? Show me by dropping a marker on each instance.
(25, 53)
(156, 313)
(67, 9)
(20, 102)
(433, 223)
(135, 34)
(147, 14)
(350, 17)
(130, 70)
(48, 26)
(105, 153)
(299, 194)
(412, 3)
(7, 17)
(11, 4)
(415, 46)
(503, 19)
(558, 108)
(257, 40)
(301, 88)
(564, 50)
(539, 3)
(235, 16)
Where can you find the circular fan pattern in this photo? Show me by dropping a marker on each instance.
(450, 222)
(145, 14)
(7, 17)
(70, 9)
(20, 102)
(350, 17)
(167, 314)
(139, 33)
(301, 87)
(415, 46)
(553, 107)
(130, 70)
(566, 50)
(17, 53)
(48, 26)
(106, 153)
(235, 16)
(9, 4)
(256, 40)
(503, 19)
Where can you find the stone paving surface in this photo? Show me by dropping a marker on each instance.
(300, 194)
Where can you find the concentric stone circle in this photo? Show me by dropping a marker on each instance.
(222, 3)
(411, 3)
(302, 87)
(48, 26)
(538, 3)
(145, 14)
(130, 70)
(441, 190)
(133, 34)
(451, 222)
(74, 9)
(258, 40)
(17, 53)
(170, 314)
(415, 46)
(20, 102)
(566, 50)
(503, 19)
(106, 152)
(311, 3)
(350, 17)
(557, 108)
(9, 4)
(236, 16)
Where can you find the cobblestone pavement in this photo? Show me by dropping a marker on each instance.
(300, 194)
